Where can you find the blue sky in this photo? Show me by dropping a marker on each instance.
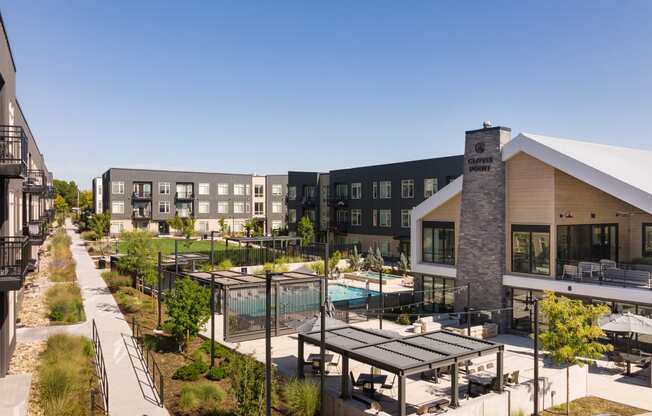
(267, 87)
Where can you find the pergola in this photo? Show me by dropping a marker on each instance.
(282, 240)
(403, 356)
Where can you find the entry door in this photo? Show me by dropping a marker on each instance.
(604, 241)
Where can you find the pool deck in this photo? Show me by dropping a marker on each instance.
(372, 286)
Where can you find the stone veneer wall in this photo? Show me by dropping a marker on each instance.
(481, 250)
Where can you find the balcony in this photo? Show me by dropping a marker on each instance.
(36, 231)
(35, 182)
(338, 201)
(309, 201)
(14, 260)
(184, 196)
(141, 214)
(340, 227)
(141, 196)
(13, 152)
(606, 272)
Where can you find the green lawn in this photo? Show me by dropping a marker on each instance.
(166, 246)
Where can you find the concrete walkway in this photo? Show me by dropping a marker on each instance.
(130, 389)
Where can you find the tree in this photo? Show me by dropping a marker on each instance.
(306, 230)
(100, 224)
(403, 264)
(248, 384)
(184, 226)
(67, 190)
(572, 333)
(188, 310)
(355, 259)
(60, 205)
(85, 200)
(224, 228)
(140, 255)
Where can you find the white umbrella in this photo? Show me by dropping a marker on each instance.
(627, 322)
(313, 324)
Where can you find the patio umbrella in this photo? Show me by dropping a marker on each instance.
(313, 324)
(627, 322)
(386, 333)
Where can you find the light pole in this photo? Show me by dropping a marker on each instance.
(322, 332)
(382, 298)
(158, 293)
(534, 302)
(212, 302)
(468, 309)
(268, 343)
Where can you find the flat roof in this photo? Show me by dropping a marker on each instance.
(228, 278)
(262, 239)
(407, 355)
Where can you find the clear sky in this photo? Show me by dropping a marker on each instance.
(267, 87)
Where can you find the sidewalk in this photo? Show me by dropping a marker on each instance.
(130, 390)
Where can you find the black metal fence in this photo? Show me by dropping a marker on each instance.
(13, 150)
(153, 370)
(100, 371)
(14, 256)
(365, 308)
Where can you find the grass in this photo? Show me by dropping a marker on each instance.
(589, 406)
(65, 375)
(65, 303)
(166, 246)
(204, 397)
(62, 266)
(115, 280)
(301, 397)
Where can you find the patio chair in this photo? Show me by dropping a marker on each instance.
(354, 382)
(335, 364)
(606, 264)
(513, 377)
(588, 269)
(569, 271)
(389, 386)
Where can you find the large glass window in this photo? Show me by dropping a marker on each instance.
(309, 192)
(429, 187)
(407, 188)
(292, 215)
(204, 189)
(277, 189)
(259, 191)
(118, 188)
(438, 293)
(385, 218)
(356, 217)
(531, 249)
(341, 191)
(292, 193)
(385, 190)
(405, 218)
(438, 242)
(587, 242)
(647, 240)
(164, 188)
(222, 188)
(356, 190)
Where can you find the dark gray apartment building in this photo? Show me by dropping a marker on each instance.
(146, 199)
(369, 205)
(25, 201)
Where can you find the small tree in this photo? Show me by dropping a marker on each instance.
(306, 230)
(224, 228)
(403, 264)
(355, 259)
(100, 224)
(248, 385)
(572, 333)
(60, 205)
(184, 226)
(140, 256)
(188, 310)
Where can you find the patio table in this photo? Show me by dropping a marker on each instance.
(371, 379)
(484, 380)
(315, 361)
(634, 358)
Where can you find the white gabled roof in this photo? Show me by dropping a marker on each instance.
(622, 172)
(438, 198)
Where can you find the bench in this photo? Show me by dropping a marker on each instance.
(631, 277)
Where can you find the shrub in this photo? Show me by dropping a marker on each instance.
(221, 351)
(65, 374)
(151, 342)
(403, 319)
(225, 264)
(190, 372)
(188, 310)
(89, 235)
(248, 385)
(317, 267)
(205, 395)
(216, 373)
(65, 303)
(302, 397)
(128, 301)
(115, 280)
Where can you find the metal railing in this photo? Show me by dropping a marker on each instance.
(100, 370)
(153, 370)
(605, 273)
(35, 181)
(36, 230)
(184, 195)
(142, 195)
(14, 256)
(13, 150)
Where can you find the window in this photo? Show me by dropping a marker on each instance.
(385, 190)
(437, 294)
(204, 207)
(247, 189)
(374, 217)
(385, 218)
(292, 193)
(406, 216)
(259, 208)
(184, 190)
(222, 207)
(277, 207)
(341, 191)
(239, 189)
(222, 188)
(342, 216)
(164, 188)
(259, 191)
(183, 209)
(374, 190)
(117, 227)
(531, 249)
(438, 242)
(203, 227)
(238, 207)
(277, 190)
(143, 190)
(356, 190)
(429, 187)
(310, 213)
(647, 240)
(247, 207)
(204, 189)
(407, 188)
(276, 225)
(309, 193)
(356, 217)
(118, 188)
(164, 207)
(118, 207)
(292, 216)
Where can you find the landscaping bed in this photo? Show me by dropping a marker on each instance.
(589, 406)
(63, 299)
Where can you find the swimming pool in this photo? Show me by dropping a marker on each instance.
(340, 292)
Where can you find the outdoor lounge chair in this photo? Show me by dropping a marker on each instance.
(569, 271)
(335, 364)
(437, 406)
(389, 386)
(588, 269)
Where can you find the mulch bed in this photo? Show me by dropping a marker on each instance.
(590, 406)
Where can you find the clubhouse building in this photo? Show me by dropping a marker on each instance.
(533, 214)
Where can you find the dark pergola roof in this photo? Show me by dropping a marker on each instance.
(262, 239)
(184, 258)
(228, 278)
(407, 355)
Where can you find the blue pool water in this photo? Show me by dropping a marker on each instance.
(340, 292)
(374, 276)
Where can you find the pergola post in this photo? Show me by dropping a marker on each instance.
(345, 378)
(300, 359)
(499, 371)
(455, 390)
(402, 410)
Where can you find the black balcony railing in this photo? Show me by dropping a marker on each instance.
(605, 272)
(309, 201)
(13, 152)
(14, 258)
(35, 181)
(340, 227)
(338, 200)
(36, 231)
(142, 195)
(142, 214)
(50, 192)
(184, 196)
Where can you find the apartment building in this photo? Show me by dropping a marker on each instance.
(25, 202)
(368, 205)
(97, 195)
(534, 214)
(146, 199)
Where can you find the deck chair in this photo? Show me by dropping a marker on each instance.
(335, 364)
(569, 271)
(390, 386)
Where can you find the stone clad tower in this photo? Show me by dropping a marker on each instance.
(481, 250)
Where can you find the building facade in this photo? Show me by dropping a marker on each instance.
(25, 201)
(147, 199)
(97, 195)
(368, 205)
(534, 214)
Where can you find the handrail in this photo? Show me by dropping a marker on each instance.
(100, 369)
(152, 367)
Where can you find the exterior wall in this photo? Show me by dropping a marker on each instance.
(448, 212)
(298, 180)
(260, 181)
(97, 195)
(481, 258)
(366, 241)
(270, 199)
